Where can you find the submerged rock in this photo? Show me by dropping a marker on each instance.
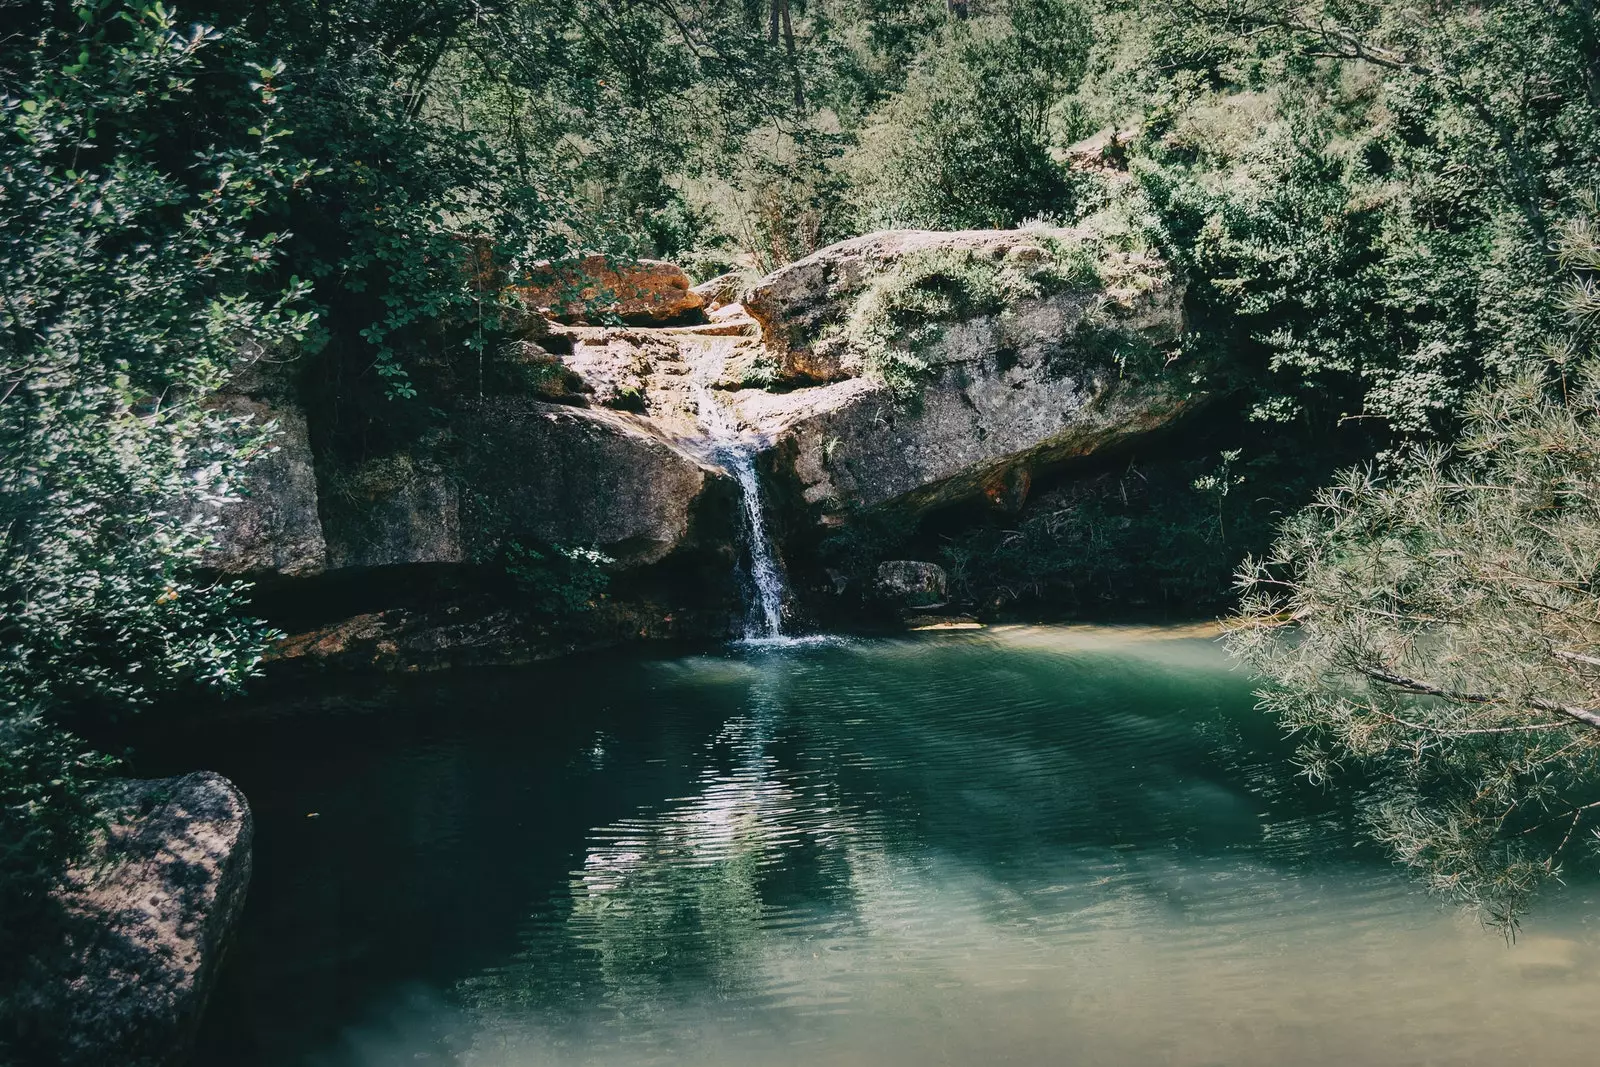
(147, 918)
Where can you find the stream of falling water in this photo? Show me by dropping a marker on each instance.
(764, 613)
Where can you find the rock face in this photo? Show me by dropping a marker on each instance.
(644, 292)
(395, 510)
(148, 920)
(1042, 346)
(582, 476)
(1048, 379)
(912, 583)
(274, 527)
(524, 470)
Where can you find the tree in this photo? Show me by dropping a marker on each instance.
(966, 143)
(132, 266)
(1383, 243)
(1446, 630)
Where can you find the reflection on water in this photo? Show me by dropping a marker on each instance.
(1028, 845)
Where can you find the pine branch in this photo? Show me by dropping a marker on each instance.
(1587, 716)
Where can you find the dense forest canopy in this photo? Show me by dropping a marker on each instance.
(1379, 209)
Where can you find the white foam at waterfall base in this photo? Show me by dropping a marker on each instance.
(763, 619)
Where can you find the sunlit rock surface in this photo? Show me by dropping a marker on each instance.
(643, 292)
(148, 917)
(1006, 395)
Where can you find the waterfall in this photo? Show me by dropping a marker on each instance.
(764, 613)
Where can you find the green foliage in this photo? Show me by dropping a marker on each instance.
(1445, 630)
(1363, 195)
(967, 142)
(128, 286)
(134, 265)
(47, 806)
(907, 307)
(1161, 534)
(557, 580)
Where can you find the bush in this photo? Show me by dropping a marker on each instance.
(134, 265)
(907, 307)
(966, 143)
(47, 810)
(1445, 625)
(557, 579)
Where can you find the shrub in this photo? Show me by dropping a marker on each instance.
(47, 808)
(1446, 624)
(966, 143)
(133, 259)
(557, 579)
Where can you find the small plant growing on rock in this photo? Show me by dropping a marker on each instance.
(558, 579)
(907, 308)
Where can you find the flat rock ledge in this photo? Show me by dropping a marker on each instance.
(147, 919)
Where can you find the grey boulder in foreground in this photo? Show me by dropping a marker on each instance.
(148, 917)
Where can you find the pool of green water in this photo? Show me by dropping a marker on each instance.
(1018, 845)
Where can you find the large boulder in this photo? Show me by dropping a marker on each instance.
(147, 919)
(394, 510)
(580, 476)
(912, 583)
(643, 292)
(1049, 378)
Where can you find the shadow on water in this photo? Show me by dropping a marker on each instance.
(1026, 845)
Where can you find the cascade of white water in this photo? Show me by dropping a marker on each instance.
(764, 613)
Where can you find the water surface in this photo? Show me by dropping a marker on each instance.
(1029, 845)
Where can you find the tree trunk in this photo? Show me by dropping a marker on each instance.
(794, 59)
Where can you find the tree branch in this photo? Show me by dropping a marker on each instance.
(1587, 716)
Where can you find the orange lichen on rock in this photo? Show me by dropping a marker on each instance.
(643, 292)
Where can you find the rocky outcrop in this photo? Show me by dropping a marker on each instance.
(520, 469)
(273, 526)
(1052, 377)
(1014, 352)
(801, 305)
(147, 920)
(395, 510)
(584, 476)
(642, 292)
